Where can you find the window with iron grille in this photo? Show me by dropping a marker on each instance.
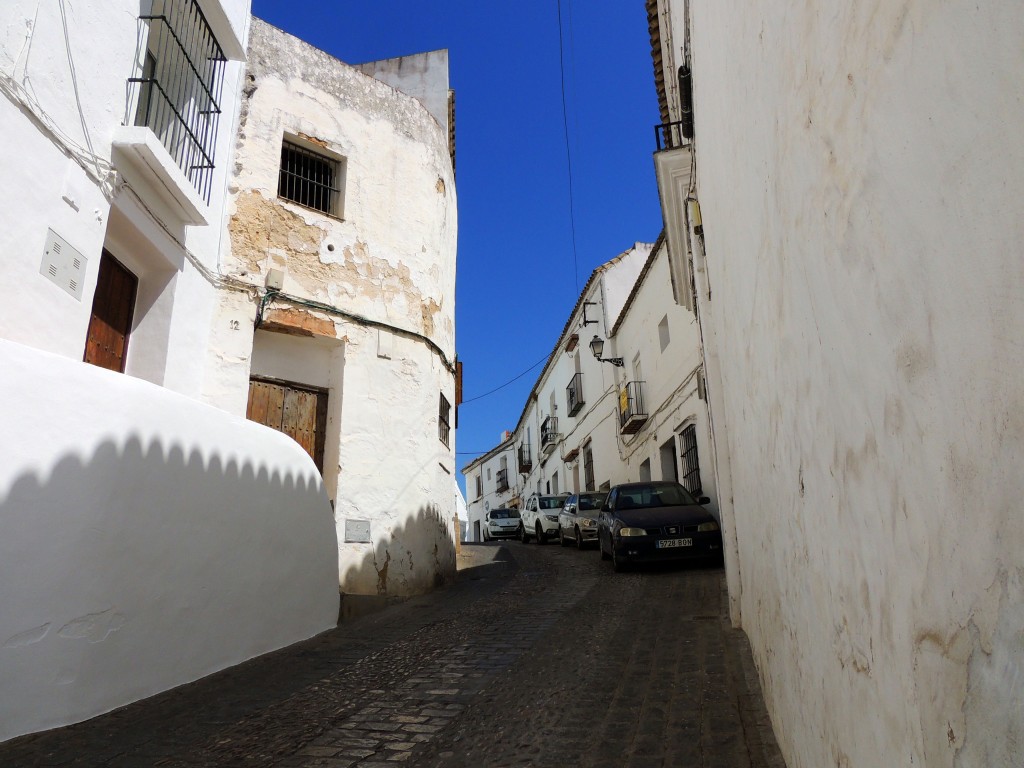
(178, 92)
(443, 413)
(310, 179)
(691, 467)
(588, 468)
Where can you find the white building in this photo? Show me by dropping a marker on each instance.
(343, 203)
(148, 524)
(589, 424)
(854, 222)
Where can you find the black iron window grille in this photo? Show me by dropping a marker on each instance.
(179, 93)
(525, 460)
(443, 413)
(501, 480)
(691, 467)
(310, 179)
(574, 394)
(588, 468)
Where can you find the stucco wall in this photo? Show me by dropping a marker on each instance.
(64, 97)
(860, 177)
(144, 537)
(387, 257)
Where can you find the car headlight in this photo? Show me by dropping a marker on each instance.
(552, 518)
(632, 532)
(711, 525)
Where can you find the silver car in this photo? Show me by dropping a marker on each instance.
(577, 522)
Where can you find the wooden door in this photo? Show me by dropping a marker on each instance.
(113, 304)
(300, 412)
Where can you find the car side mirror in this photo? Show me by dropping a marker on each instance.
(704, 500)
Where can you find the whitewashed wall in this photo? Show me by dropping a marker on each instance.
(51, 67)
(144, 536)
(860, 172)
(387, 257)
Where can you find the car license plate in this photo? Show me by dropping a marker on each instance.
(669, 543)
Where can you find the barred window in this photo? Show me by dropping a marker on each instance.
(443, 413)
(179, 90)
(310, 179)
(691, 467)
(588, 468)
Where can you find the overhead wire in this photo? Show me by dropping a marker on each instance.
(510, 381)
(568, 152)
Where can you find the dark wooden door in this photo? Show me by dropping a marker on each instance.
(113, 304)
(300, 412)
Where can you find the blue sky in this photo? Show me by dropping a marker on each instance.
(517, 281)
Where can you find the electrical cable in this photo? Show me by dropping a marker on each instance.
(568, 153)
(510, 381)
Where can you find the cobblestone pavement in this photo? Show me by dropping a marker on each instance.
(538, 656)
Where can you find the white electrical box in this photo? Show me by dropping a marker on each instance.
(63, 265)
(275, 279)
(357, 531)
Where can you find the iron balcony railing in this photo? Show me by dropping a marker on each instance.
(179, 92)
(632, 413)
(670, 136)
(574, 394)
(525, 460)
(549, 434)
(501, 478)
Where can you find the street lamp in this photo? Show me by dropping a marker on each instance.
(597, 347)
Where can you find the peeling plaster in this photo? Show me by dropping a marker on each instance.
(94, 627)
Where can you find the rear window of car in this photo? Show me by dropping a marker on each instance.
(504, 514)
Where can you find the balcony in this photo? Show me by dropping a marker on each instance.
(670, 136)
(549, 435)
(574, 394)
(501, 480)
(632, 413)
(525, 459)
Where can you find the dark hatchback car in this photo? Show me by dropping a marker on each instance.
(656, 521)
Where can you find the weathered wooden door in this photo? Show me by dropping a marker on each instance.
(113, 304)
(300, 412)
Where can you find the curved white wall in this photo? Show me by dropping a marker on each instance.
(148, 540)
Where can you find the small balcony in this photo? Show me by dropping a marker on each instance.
(525, 459)
(501, 480)
(670, 136)
(574, 394)
(548, 435)
(632, 412)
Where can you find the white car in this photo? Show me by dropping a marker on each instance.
(501, 524)
(540, 518)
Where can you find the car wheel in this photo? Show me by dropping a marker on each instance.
(617, 563)
(579, 539)
(541, 537)
(600, 545)
(561, 537)
(523, 535)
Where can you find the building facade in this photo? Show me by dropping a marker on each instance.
(847, 185)
(343, 217)
(145, 517)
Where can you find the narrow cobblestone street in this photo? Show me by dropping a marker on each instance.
(538, 656)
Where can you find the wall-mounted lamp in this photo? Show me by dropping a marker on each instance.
(597, 347)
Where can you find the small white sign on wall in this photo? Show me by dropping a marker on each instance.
(357, 531)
